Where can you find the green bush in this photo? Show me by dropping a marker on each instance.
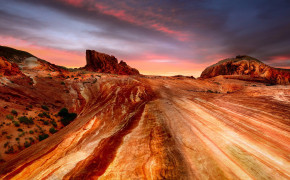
(62, 83)
(44, 107)
(14, 112)
(53, 123)
(45, 122)
(63, 112)
(20, 130)
(17, 139)
(44, 114)
(25, 120)
(26, 144)
(10, 117)
(10, 150)
(52, 130)
(16, 123)
(31, 139)
(6, 144)
(9, 137)
(31, 132)
(43, 136)
(66, 116)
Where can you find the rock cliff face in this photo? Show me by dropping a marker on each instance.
(100, 62)
(251, 67)
(9, 69)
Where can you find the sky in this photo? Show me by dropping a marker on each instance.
(158, 37)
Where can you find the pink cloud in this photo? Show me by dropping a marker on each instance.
(147, 19)
(55, 56)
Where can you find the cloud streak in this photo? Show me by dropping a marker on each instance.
(197, 32)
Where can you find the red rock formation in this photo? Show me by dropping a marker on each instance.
(9, 69)
(100, 62)
(245, 65)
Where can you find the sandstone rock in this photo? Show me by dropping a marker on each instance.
(8, 68)
(246, 65)
(104, 63)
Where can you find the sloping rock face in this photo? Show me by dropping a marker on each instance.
(14, 55)
(9, 69)
(104, 63)
(246, 65)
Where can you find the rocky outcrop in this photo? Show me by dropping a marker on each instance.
(104, 63)
(251, 67)
(14, 55)
(9, 69)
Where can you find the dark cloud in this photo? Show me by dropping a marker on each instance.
(192, 30)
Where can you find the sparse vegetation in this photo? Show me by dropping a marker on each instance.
(10, 150)
(25, 120)
(31, 132)
(43, 136)
(62, 83)
(20, 130)
(26, 144)
(44, 114)
(52, 130)
(44, 107)
(16, 123)
(53, 123)
(14, 112)
(6, 144)
(10, 117)
(66, 116)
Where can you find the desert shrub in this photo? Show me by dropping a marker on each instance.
(66, 116)
(43, 136)
(17, 139)
(52, 130)
(31, 139)
(14, 112)
(29, 106)
(20, 130)
(16, 123)
(63, 112)
(25, 120)
(10, 150)
(10, 117)
(53, 123)
(6, 144)
(68, 119)
(22, 134)
(62, 83)
(44, 107)
(31, 132)
(9, 137)
(26, 144)
(45, 122)
(44, 114)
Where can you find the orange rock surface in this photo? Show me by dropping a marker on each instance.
(250, 68)
(165, 128)
(104, 63)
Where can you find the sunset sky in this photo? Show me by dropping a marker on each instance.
(165, 37)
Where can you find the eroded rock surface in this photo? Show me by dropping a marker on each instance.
(104, 63)
(251, 67)
(166, 128)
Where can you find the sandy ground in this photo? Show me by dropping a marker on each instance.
(163, 128)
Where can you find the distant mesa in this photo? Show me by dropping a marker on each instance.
(104, 63)
(248, 67)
